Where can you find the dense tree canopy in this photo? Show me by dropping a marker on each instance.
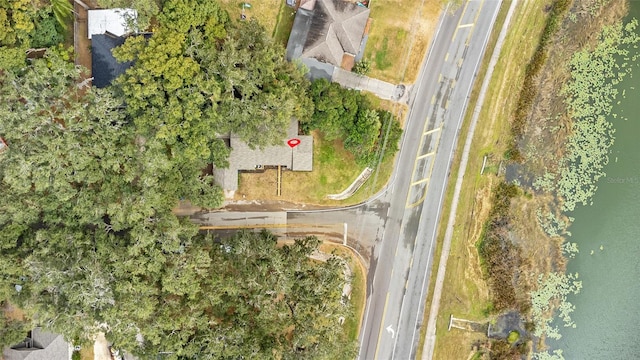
(346, 114)
(89, 236)
(199, 76)
(89, 242)
(25, 24)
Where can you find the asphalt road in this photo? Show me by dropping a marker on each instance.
(405, 256)
(396, 231)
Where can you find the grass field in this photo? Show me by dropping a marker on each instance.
(400, 34)
(465, 294)
(265, 11)
(284, 23)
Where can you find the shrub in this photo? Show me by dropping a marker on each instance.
(362, 67)
(47, 31)
(513, 337)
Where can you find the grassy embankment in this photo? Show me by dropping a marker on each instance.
(465, 292)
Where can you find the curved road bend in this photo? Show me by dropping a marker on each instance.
(397, 230)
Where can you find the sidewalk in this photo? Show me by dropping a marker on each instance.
(382, 89)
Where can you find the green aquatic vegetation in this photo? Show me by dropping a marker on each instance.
(570, 249)
(545, 182)
(591, 92)
(553, 290)
(556, 355)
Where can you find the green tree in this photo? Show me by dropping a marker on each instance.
(335, 108)
(363, 135)
(265, 301)
(260, 91)
(340, 113)
(46, 32)
(12, 332)
(89, 235)
(88, 204)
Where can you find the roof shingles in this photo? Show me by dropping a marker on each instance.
(243, 157)
(328, 30)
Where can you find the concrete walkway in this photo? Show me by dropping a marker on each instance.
(382, 89)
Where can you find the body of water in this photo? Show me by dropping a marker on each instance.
(607, 314)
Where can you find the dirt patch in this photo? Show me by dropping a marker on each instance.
(12, 312)
(101, 348)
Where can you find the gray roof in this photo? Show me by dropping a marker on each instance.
(326, 30)
(44, 346)
(242, 157)
(299, 32)
(105, 67)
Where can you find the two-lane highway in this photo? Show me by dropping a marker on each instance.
(404, 257)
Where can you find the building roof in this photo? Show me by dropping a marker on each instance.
(41, 346)
(243, 157)
(114, 21)
(105, 67)
(326, 30)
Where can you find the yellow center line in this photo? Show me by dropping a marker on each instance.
(466, 25)
(424, 194)
(384, 312)
(475, 19)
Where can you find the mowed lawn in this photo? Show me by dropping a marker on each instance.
(333, 170)
(265, 11)
(399, 36)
